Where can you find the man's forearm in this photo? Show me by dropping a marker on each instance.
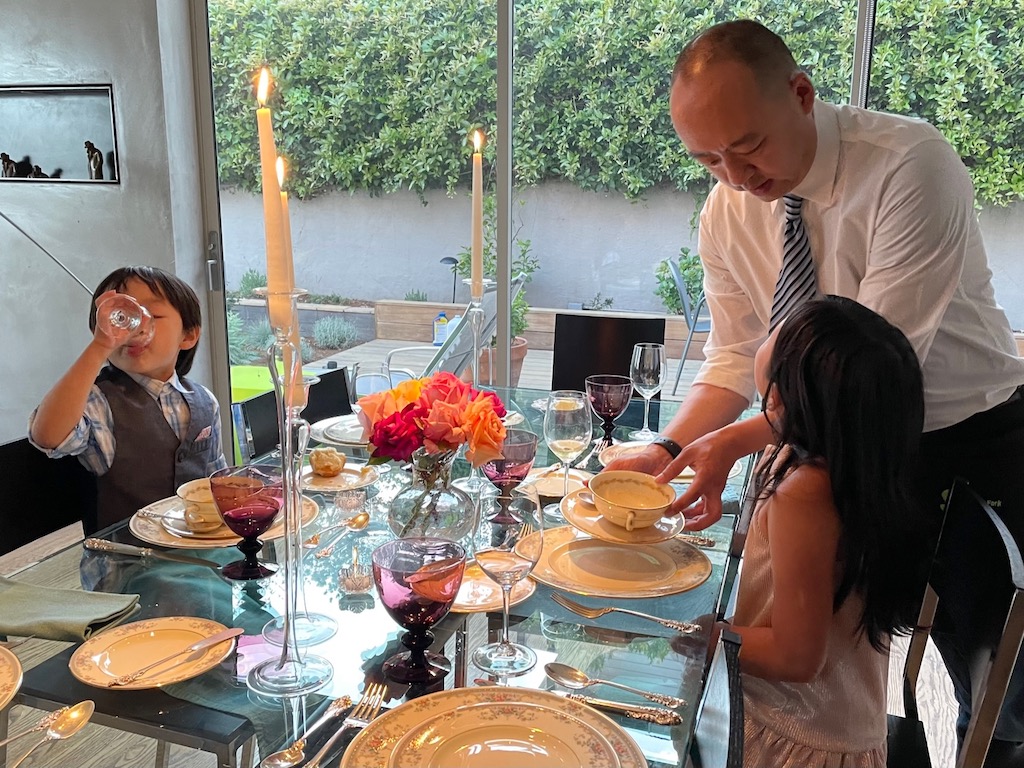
(705, 409)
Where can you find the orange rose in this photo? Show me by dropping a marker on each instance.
(373, 408)
(486, 432)
(443, 427)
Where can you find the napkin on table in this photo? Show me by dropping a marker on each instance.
(27, 610)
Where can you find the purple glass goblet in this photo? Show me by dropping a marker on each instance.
(609, 397)
(418, 580)
(518, 451)
(248, 499)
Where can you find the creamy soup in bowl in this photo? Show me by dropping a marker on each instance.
(630, 499)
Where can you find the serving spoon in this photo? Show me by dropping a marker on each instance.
(574, 679)
(66, 725)
(357, 522)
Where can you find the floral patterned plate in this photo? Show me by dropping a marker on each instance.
(351, 477)
(343, 431)
(479, 592)
(451, 723)
(10, 676)
(620, 450)
(124, 649)
(517, 735)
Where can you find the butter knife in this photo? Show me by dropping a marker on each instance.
(117, 548)
(645, 712)
(202, 645)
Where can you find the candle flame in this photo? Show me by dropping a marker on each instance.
(263, 89)
(280, 172)
(478, 140)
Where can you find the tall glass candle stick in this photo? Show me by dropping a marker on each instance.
(476, 275)
(279, 288)
(297, 392)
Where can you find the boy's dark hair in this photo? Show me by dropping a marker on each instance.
(851, 397)
(172, 288)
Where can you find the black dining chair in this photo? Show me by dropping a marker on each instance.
(591, 343)
(978, 595)
(256, 423)
(328, 397)
(42, 495)
(718, 734)
(696, 322)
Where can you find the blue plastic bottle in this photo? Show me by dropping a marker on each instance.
(440, 329)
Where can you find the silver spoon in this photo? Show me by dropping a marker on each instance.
(44, 722)
(574, 679)
(295, 754)
(67, 725)
(357, 522)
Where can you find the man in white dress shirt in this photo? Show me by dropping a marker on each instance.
(888, 208)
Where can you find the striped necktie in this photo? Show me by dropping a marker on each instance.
(796, 278)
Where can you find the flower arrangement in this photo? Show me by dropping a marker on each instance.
(438, 413)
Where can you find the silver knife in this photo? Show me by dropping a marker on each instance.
(117, 548)
(659, 715)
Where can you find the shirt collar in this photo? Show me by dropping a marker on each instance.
(819, 183)
(154, 386)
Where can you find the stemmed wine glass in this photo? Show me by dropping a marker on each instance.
(123, 319)
(567, 429)
(418, 580)
(518, 451)
(248, 499)
(507, 550)
(609, 397)
(648, 370)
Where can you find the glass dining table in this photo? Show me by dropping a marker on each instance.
(216, 712)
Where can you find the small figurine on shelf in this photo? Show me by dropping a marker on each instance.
(95, 157)
(7, 166)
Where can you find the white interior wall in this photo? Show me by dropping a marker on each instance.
(148, 218)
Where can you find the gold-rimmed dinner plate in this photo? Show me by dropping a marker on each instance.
(480, 593)
(171, 531)
(589, 519)
(350, 478)
(457, 736)
(578, 563)
(130, 647)
(343, 431)
(477, 736)
(10, 676)
(550, 484)
(632, 448)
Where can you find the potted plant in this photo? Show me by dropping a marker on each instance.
(522, 263)
(693, 276)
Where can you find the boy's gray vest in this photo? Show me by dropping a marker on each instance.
(150, 462)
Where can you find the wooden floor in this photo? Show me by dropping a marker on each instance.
(99, 747)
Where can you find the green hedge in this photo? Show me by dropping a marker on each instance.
(381, 95)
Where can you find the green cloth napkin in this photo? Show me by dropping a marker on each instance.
(27, 610)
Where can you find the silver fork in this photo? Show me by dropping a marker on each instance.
(360, 717)
(593, 613)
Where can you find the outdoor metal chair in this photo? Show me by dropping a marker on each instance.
(979, 595)
(718, 733)
(695, 322)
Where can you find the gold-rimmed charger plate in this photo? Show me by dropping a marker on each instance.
(350, 478)
(483, 735)
(632, 448)
(480, 593)
(125, 649)
(550, 484)
(589, 519)
(343, 431)
(578, 563)
(158, 531)
(374, 746)
(10, 676)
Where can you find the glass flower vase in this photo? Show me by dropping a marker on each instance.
(431, 506)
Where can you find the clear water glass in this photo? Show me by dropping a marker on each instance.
(648, 370)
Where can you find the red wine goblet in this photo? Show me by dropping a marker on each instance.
(609, 397)
(248, 499)
(418, 580)
(518, 451)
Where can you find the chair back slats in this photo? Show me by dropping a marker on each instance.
(718, 734)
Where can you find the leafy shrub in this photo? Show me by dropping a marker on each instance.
(334, 333)
(693, 278)
(251, 280)
(238, 353)
(416, 295)
(382, 96)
